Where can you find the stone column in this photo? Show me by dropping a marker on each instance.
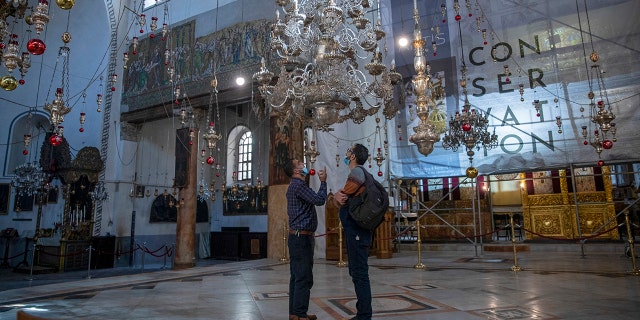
(286, 139)
(186, 221)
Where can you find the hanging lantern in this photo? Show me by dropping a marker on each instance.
(40, 17)
(99, 102)
(82, 120)
(154, 24)
(11, 58)
(135, 45)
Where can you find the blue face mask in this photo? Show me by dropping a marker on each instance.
(305, 171)
(346, 160)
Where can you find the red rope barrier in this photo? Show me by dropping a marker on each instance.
(572, 239)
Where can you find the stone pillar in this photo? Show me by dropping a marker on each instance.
(287, 141)
(186, 221)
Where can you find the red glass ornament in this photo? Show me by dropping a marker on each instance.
(153, 35)
(585, 142)
(25, 152)
(507, 80)
(485, 43)
(379, 173)
(435, 54)
(607, 144)
(135, 52)
(466, 127)
(218, 175)
(21, 81)
(312, 172)
(369, 166)
(458, 17)
(190, 143)
(600, 163)
(2, 45)
(210, 160)
(113, 88)
(444, 20)
(55, 140)
(141, 31)
(470, 15)
(81, 129)
(538, 115)
(36, 46)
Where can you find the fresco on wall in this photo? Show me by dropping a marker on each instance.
(230, 48)
(146, 70)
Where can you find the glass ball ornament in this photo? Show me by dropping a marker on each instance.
(65, 4)
(36, 46)
(472, 172)
(379, 173)
(312, 172)
(210, 160)
(8, 83)
(81, 129)
(600, 163)
(25, 152)
(55, 140)
(607, 144)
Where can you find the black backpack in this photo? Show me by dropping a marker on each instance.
(368, 208)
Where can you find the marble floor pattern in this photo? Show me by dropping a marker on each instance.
(461, 285)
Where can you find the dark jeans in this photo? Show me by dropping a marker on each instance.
(301, 268)
(358, 243)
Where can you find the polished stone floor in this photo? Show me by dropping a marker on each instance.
(569, 283)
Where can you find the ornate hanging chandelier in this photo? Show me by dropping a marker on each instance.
(29, 179)
(600, 110)
(320, 45)
(431, 125)
(468, 127)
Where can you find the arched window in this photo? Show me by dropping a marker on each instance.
(32, 124)
(244, 156)
(240, 154)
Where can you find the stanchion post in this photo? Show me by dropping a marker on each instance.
(33, 255)
(419, 265)
(89, 265)
(635, 271)
(284, 243)
(144, 251)
(164, 262)
(515, 266)
(341, 263)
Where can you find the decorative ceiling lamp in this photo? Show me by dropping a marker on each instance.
(58, 109)
(428, 131)
(601, 112)
(211, 136)
(468, 127)
(320, 45)
(28, 179)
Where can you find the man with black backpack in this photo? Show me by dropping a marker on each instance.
(358, 239)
